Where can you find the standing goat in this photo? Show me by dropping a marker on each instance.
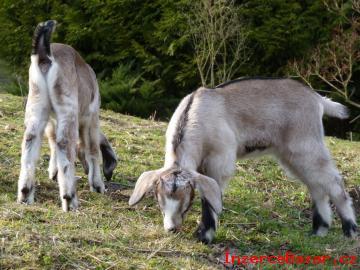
(61, 84)
(211, 128)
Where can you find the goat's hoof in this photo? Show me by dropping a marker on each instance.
(205, 235)
(26, 195)
(349, 228)
(99, 188)
(320, 231)
(69, 202)
(53, 175)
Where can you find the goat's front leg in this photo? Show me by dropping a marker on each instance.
(219, 167)
(206, 230)
(95, 180)
(66, 140)
(88, 153)
(36, 117)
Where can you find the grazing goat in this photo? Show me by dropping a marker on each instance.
(62, 89)
(211, 128)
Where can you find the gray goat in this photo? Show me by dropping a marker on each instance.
(211, 128)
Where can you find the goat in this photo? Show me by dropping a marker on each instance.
(62, 88)
(211, 128)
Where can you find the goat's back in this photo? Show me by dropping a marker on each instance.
(76, 75)
(271, 111)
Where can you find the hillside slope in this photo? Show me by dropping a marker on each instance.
(264, 214)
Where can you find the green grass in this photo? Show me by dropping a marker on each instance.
(266, 213)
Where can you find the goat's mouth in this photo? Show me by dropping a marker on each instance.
(173, 230)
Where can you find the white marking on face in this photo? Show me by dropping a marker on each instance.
(171, 207)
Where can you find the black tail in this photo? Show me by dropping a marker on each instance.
(41, 39)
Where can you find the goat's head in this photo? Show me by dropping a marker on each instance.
(174, 191)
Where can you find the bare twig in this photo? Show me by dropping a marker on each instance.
(333, 62)
(355, 119)
(219, 39)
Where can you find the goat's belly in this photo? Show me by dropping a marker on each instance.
(254, 151)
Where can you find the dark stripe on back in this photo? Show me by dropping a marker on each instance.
(180, 129)
(249, 78)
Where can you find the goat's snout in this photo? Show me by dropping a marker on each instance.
(172, 230)
(169, 224)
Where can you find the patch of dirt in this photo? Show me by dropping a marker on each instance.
(113, 190)
(355, 195)
(114, 121)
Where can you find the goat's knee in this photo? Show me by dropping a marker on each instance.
(62, 143)
(29, 138)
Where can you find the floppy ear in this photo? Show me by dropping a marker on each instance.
(145, 182)
(210, 190)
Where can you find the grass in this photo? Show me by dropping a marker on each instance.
(265, 213)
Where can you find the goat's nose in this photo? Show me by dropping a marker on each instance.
(171, 229)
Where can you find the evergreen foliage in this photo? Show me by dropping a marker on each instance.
(142, 50)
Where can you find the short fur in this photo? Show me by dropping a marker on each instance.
(64, 99)
(250, 117)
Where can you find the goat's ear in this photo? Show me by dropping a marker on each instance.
(209, 189)
(145, 183)
(109, 157)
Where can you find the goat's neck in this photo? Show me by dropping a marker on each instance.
(187, 157)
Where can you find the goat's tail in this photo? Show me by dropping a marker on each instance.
(334, 109)
(41, 39)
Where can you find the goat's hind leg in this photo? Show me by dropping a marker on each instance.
(66, 139)
(343, 204)
(67, 133)
(317, 171)
(330, 185)
(36, 117)
(51, 135)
